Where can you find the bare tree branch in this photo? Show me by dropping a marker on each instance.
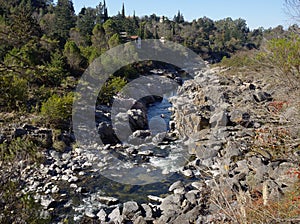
(292, 9)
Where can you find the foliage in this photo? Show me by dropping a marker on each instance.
(14, 93)
(19, 149)
(239, 60)
(101, 13)
(57, 110)
(18, 207)
(86, 20)
(114, 41)
(110, 28)
(99, 38)
(73, 55)
(252, 208)
(64, 18)
(178, 18)
(285, 209)
(56, 70)
(110, 89)
(128, 72)
(22, 27)
(283, 55)
(274, 141)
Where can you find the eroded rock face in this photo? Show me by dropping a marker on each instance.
(219, 116)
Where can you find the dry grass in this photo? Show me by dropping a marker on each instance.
(244, 208)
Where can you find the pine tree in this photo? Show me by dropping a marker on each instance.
(105, 12)
(86, 21)
(101, 13)
(178, 18)
(23, 27)
(64, 18)
(114, 41)
(73, 55)
(123, 11)
(99, 39)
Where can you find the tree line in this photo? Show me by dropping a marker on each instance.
(45, 47)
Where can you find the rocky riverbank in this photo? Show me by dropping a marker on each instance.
(221, 121)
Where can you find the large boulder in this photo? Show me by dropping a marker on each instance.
(130, 210)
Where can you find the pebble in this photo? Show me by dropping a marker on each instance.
(65, 177)
(55, 189)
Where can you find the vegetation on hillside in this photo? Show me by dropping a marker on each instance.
(46, 47)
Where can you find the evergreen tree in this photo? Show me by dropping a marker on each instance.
(110, 28)
(22, 27)
(101, 13)
(64, 18)
(105, 12)
(114, 41)
(178, 18)
(86, 21)
(73, 55)
(99, 38)
(123, 11)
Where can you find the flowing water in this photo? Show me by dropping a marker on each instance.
(96, 184)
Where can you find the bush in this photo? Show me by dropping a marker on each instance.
(283, 54)
(239, 60)
(14, 93)
(19, 149)
(110, 89)
(57, 111)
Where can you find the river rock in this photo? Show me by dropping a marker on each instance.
(147, 211)
(130, 210)
(176, 185)
(108, 200)
(90, 213)
(140, 220)
(261, 96)
(115, 216)
(204, 152)
(192, 196)
(55, 189)
(107, 133)
(102, 215)
(154, 198)
(239, 117)
(47, 201)
(171, 204)
(219, 119)
(187, 173)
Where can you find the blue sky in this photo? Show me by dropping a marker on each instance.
(257, 13)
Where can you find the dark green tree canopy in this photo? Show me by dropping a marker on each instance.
(64, 18)
(86, 20)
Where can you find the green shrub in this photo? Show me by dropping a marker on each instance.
(283, 54)
(239, 60)
(20, 149)
(19, 207)
(57, 111)
(110, 89)
(14, 93)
